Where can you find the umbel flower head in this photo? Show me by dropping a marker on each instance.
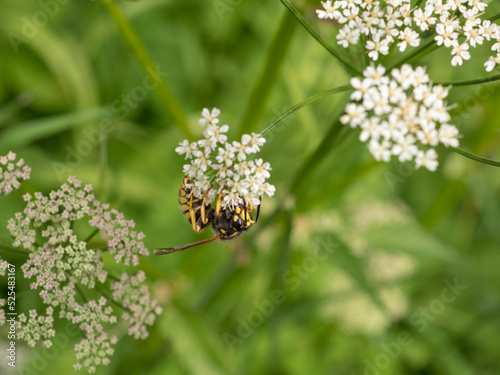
(11, 172)
(218, 166)
(65, 270)
(457, 25)
(401, 115)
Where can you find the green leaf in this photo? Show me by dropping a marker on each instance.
(25, 133)
(195, 345)
(409, 238)
(353, 266)
(172, 107)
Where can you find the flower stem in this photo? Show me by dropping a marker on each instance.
(92, 234)
(471, 82)
(475, 157)
(80, 292)
(494, 18)
(298, 106)
(274, 60)
(415, 53)
(168, 100)
(347, 65)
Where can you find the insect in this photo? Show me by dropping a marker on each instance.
(227, 223)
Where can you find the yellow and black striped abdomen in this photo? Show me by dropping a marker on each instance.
(191, 207)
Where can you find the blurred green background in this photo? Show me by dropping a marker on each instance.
(355, 267)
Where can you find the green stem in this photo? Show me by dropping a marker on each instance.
(80, 292)
(494, 18)
(347, 65)
(168, 100)
(475, 157)
(416, 53)
(104, 294)
(92, 234)
(316, 157)
(298, 106)
(22, 292)
(472, 81)
(274, 60)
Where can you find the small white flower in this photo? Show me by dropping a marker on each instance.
(186, 148)
(446, 35)
(348, 36)
(371, 129)
(376, 46)
(427, 159)
(328, 11)
(397, 115)
(267, 188)
(408, 37)
(226, 155)
(405, 148)
(215, 134)
(423, 18)
(209, 117)
(354, 115)
(448, 135)
(262, 169)
(381, 151)
(492, 62)
(460, 52)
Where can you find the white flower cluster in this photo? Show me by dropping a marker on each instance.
(382, 23)
(404, 115)
(13, 173)
(221, 167)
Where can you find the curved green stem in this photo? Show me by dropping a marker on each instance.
(347, 65)
(298, 106)
(415, 53)
(475, 157)
(168, 100)
(91, 235)
(494, 18)
(472, 81)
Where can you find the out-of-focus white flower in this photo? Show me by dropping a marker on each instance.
(401, 115)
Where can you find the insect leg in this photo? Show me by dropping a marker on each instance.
(192, 212)
(204, 219)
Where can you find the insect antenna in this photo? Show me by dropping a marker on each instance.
(170, 250)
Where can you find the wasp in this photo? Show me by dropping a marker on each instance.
(227, 223)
